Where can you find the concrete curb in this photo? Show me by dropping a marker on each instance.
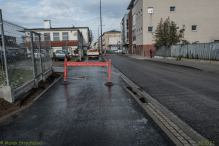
(160, 124)
(34, 100)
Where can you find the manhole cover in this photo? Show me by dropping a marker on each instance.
(78, 77)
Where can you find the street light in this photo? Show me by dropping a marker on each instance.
(101, 32)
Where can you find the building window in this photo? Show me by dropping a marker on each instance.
(134, 20)
(194, 27)
(36, 38)
(172, 9)
(64, 36)
(47, 36)
(150, 29)
(56, 36)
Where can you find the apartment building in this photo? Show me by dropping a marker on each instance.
(110, 40)
(69, 38)
(199, 16)
(124, 26)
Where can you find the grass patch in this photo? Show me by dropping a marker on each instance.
(73, 59)
(19, 76)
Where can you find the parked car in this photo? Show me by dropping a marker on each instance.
(61, 54)
(37, 53)
(10, 56)
(123, 52)
(29, 55)
(19, 53)
(93, 52)
(118, 51)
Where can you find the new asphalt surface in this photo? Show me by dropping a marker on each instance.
(85, 112)
(191, 94)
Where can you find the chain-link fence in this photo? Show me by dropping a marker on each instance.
(23, 56)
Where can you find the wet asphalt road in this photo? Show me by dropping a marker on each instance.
(192, 95)
(85, 112)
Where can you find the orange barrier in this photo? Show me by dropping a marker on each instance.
(109, 83)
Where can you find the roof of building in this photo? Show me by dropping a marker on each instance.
(131, 4)
(110, 31)
(57, 28)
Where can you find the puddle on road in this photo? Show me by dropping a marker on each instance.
(143, 120)
(78, 77)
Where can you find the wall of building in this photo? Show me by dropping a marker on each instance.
(85, 33)
(202, 13)
(133, 26)
(106, 38)
(123, 32)
(130, 33)
(72, 34)
(139, 22)
(113, 40)
(126, 29)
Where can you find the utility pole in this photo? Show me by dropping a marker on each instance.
(99, 37)
(101, 33)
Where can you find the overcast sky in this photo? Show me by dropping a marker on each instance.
(65, 13)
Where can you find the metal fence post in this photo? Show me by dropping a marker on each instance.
(4, 49)
(210, 52)
(51, 51)
(32, 51)
(41, 68)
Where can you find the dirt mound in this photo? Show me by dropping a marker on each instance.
(6, 107)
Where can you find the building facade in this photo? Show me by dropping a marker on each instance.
(124, 26)
(110, 40)
(68, 38)
(199, 16)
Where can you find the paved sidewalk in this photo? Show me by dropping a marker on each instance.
(85, 112)
(201, 65)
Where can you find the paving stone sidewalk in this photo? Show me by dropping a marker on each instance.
(209, 66)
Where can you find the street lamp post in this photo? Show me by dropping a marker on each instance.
(99, 37)
(101, 32)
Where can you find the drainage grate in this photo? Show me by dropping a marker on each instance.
(139, 96)
(144, 89)
(142, 99)
(78, 77)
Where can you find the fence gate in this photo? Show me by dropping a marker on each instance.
(25, 59)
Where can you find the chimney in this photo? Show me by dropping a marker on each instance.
(47, 24)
